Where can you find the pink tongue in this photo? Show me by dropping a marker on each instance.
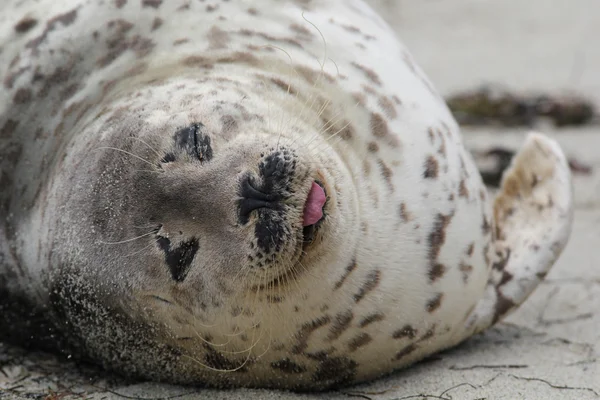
(313, 209)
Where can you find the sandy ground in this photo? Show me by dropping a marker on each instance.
(549, 348)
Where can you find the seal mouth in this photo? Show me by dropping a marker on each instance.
(313, 213)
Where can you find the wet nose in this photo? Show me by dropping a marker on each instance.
(253, 198)
(270, 187)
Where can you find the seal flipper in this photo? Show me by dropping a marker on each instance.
(533, 214)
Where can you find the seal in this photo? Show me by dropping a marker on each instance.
(250, 193)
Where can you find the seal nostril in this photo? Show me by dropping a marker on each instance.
(253, 198)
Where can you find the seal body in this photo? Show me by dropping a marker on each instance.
(249, 193)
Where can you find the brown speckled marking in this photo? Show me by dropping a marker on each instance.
(288, 366)
(436, 271)
(432, 168)
(437, 236)
(369, 73)
(370, 319)
(65, 19)
(252, 11)
(216, 360)
(462, 189)
(485, 225)
(470, 249)
(212, 7)
(25, 24)
(466, 270)
(300, 30)
(434, 303)
(406, 331)
(379, 126)
(431, 134)
(373, 147)
(405, 351)
(380, 129)
(371, 282)
(335, 371)
(428, 334)
(341, 322)
(306, 330)
(151, 3)
(22, 96)
(360, 340)
(286, 87)
(217, 38)
(120, 3)
(180, 41)
(347, 272)
(405, 215)
(388, 107)
(156, 23)
(387, 174)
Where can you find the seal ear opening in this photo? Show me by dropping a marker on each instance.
(533, 215)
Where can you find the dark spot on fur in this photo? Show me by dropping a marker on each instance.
(8, 128)
(485, 226)
(369, 73)
(371, 318)
(360, 340)
(405, 351)
(373, 147)
(347, 272)
(217, 38)
(466, 270)
(181, 41)
(252, 11)
(156, 23)
(25, 24)
(286, 87)
(405, 215)
(432, 168)
(120, 3)
(462, 189)
(379, 126)
(434, 303)
(437, 236)
(341, 322)
(335, 371)
(216, 360)
(387, 174)
(300, 29)
(406, 331)
(65, 19)
(179, 259)
(151, 3)
(388, 107)
(22, 96)
(306, 330)
(288, 366)
(371, 282)
(436, 271)
(470, 249)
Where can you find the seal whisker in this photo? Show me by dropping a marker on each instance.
(125, 152)
(128, 240)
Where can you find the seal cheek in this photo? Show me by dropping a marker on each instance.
(179, 258)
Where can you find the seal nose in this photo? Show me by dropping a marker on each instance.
(253, 198)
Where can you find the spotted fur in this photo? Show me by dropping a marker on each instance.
(155, 159)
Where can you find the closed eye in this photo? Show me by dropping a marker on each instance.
(194, 141)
